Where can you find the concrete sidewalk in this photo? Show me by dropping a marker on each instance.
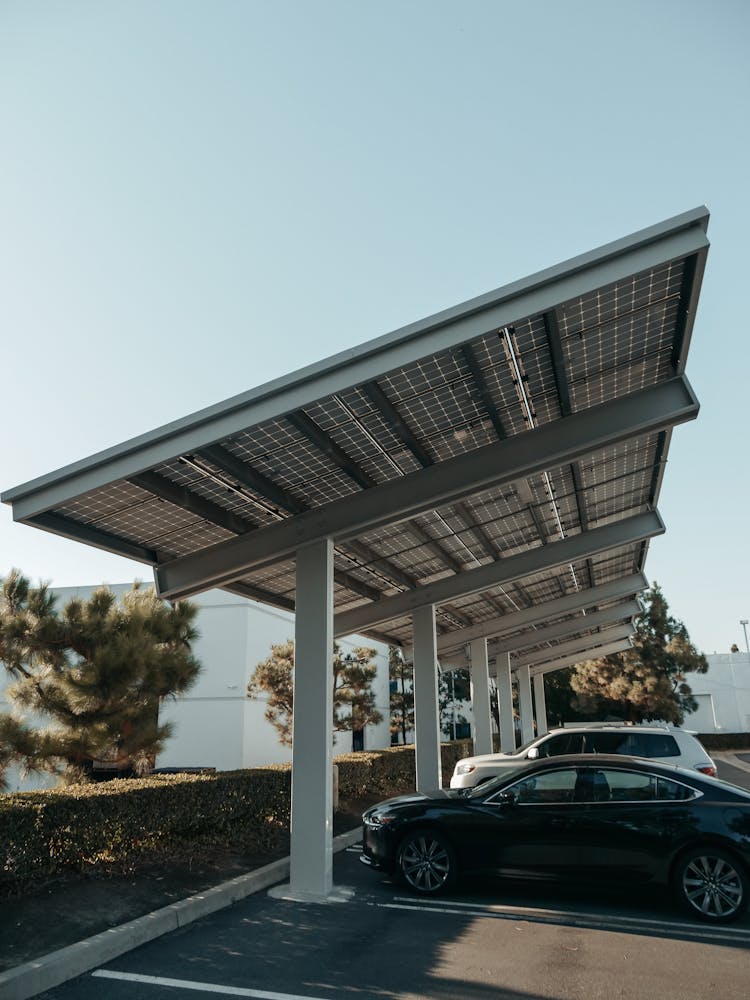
(51, 970)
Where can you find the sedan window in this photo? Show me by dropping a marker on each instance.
(550, 787)
(631, 786)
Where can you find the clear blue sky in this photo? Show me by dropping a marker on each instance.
(198, 197)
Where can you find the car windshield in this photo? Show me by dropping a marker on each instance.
(487, 787)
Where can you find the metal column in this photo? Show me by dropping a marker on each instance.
(524, 704)
(426, 713)
(311, 854)
(505, 703)
(540, 704)
(480, 697)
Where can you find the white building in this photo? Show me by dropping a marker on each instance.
(723, 695)
(215, 723)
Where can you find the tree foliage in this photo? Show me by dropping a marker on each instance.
(648, 681)
(86, 682)
(401, 677)
(454, 686)
(353, 697)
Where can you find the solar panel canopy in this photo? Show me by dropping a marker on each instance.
(501, 460)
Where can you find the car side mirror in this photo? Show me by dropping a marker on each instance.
(533, 753)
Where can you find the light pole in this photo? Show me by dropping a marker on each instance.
(744, 623)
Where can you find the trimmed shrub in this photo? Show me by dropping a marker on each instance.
(130, 820)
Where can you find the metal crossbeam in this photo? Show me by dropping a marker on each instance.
(497, 464)
(539, 613)
(625, 532)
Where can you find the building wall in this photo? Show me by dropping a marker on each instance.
(723, 695)
(215, 724)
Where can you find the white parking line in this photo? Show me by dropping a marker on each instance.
(188, 984)
(501, 912)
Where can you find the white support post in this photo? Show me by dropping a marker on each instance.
(541, 705)
(524, 704)
(426, 711)
(311, 854)
(505, 703)
(480, 697)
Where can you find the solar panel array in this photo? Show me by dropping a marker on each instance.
(613, 342)
(537, 370)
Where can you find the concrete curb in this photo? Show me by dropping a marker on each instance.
(51, 970)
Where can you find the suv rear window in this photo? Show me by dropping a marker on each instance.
(607, 742)
(653, 745)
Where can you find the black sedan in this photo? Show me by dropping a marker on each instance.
(575, 818)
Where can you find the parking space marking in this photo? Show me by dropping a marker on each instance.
(187, 984)
(535, 915)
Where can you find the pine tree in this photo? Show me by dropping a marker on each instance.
(94, 674)
(648, 681)
(401, 678)
(353, 697)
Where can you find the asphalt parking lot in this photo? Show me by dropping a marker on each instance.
(491, 939)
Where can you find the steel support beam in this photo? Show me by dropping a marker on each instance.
(570, 661)
(524, 704)
(426, 713)
(311, 854)
(504, 571)
(568, 627)
(480, 697)
(501, 463)
(540, 706)
(627, 586)
(581, 645)
(504, 685)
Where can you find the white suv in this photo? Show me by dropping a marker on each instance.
(663, 743)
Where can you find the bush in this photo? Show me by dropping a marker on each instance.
(130, 820)
(725, 741)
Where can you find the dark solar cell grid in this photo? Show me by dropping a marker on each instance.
(620, 298)
(493, 504)
(192, 538)
(446, 409)
(623, 459)
(536, 362)
(389, 541)
(259, 444)
(490, 355)
(611, 508)
(632, 340)
(255, 513)
(280, 578)
(150, 522)
(90, 507)
(365, 449)
(462, 439)
(422, 377)
(600, 388)
(615, 563)
(367, 575)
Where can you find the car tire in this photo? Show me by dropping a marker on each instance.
(426, 862)
(710, 884)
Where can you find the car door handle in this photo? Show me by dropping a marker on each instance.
(559, 824)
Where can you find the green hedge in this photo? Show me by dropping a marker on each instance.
(725, 741)
(124, 821)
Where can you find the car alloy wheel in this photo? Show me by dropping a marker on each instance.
(711, 885)
(426, 862)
